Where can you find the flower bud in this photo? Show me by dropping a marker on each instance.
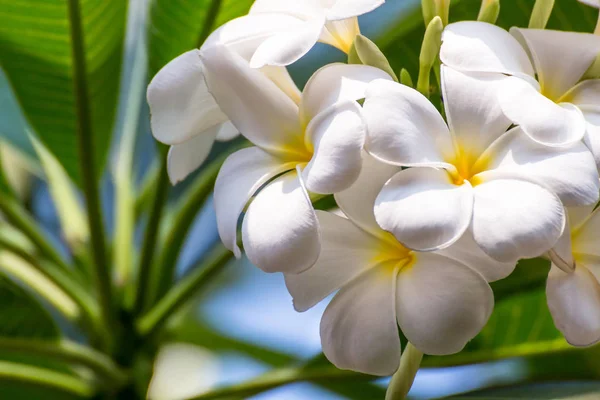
(429, 53)
(364, 51)
(406, 79)
(540, 14)
(489, 11)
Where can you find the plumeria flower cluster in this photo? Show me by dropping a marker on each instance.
(433, 204)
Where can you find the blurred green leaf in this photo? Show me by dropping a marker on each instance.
(22, 316)
(177, 26)
(37, 55)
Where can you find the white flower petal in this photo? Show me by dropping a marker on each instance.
(358, 201)
(185, 158)
(543, 120)
(475, 121)
(285, 48)
(424, 209)
(257, 107)
(579, 215)
(441, 304)
(304, 8)
(340, 33)
(587, 236)
(227, 132)
(180, 105)
(338, 136)
(560, 58)
(352, 8)
(346, 252)
(591, 3)
(515, 219)
(568, 172)
(242, 174)
(404, 127)
(483, 47)
(467, 251)
(561, 254)
(358, 329)
(574, 302)
(281, 77)
(280, 230)
(584, 94)
(337, 82)
(592, 134)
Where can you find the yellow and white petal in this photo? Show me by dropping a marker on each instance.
(257, 107)
(404, 127)
(587, 236)
(337, 136)
(359, 331)
(282, 78)
(181, 106)
(285, 48)
(467, 251)
(482, 47)
(574, 302)
(185, 158)
(560, 58)
(569, 172)
(340, 33)
(334, 83)
(540, 118)
(424, 209)
(242, 174)
(280, 231)
(475, 121)
(342, 9)
(227, 132)
(515, 219)
(346, 252)
(441, 304)
(592, 134)
(585, 94)
(579, 215)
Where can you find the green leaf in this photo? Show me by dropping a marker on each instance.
(36, 49)
(22, 316)
(177, 26)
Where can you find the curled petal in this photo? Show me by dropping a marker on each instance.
(585, 94)
(280, 230)
(337, 82)
(515, 219)
(358, 201)
(358, 329)
(540, 118)
(180, 105)
(404, 127)
(574, 302)
(482, 47)
(185, 158)
(560, 58)
(586, 236)
(424, 209)
(441, 304)
(340, 33)
(338, 136)
(256, 106)
(242, 174)
(346, 252)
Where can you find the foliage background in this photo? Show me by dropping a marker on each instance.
(245, 317)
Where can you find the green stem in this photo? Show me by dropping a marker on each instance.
(147, 187)
(164, 270)
(183, 291)
(89, 176)
(17, 215)
(65, 350)
(282, 377)
(151, 235)
(49, 379)
(403, 378)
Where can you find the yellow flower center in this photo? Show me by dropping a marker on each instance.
(468, 163)
(393, 253)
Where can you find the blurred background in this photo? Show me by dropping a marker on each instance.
(246, 317)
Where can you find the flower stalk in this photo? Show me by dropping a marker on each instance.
(403, 378)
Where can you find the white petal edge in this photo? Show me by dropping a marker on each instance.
(352, 8)
(592, 133)
(424, 209)
(280, 230)
(227, 132)
(241, 175)
(585, 94)
(441, 304)
(185, 158)
(359, 329)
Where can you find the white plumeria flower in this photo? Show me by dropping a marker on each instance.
(573, 286)
(329, 21)
(185, 115)
(314, 145)
(471, 174)
(591, 3)
(440, 300)
(552, 109)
